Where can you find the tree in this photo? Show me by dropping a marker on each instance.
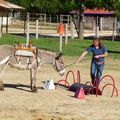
(65, 6)
(24, 3)
(46, 6)
(81, 4)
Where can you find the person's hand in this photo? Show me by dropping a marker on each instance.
(96, 56)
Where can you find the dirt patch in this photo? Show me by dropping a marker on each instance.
(17, 102)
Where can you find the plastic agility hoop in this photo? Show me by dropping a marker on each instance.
(91, 88)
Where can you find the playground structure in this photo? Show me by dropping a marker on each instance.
(89, 89)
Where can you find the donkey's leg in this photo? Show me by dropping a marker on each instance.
(33, 71)
(1, 86)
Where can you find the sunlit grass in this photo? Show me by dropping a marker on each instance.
(73, 48)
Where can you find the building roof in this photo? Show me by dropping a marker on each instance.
(8, 5)
(94, 12)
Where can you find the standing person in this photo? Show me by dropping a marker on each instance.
(99, 51)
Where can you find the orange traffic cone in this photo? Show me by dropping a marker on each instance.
(61, 29)
(80, 94)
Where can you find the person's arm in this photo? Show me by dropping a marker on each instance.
(102, 55)
(82, 56)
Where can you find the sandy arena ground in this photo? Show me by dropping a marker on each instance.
(18, 103)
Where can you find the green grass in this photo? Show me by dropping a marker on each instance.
(73, 48)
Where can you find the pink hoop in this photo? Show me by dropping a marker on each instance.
(106, 84)
(113, 88)
(67, 86)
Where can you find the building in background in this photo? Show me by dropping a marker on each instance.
(6, 13)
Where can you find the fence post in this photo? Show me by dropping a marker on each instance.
(24, 24)
(50, 19)
(28, 28)
(60, 43)
(72, 29)
(101, 23)
(37, 28)
(66, 36)
(61, 32)
(114, 29)
(0, 27)
(97, 28)
(97, 31)
(57, 19)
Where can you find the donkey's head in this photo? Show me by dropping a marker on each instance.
(59, 64)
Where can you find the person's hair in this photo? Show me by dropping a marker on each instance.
(99, 41)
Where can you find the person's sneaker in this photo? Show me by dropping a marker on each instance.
(93, 91)
(99, 92)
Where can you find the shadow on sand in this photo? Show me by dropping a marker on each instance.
(18, 86)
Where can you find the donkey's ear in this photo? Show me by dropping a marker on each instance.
(58, 55)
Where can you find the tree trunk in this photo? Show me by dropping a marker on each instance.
(80, 33)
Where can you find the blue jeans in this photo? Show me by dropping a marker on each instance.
(96, 71)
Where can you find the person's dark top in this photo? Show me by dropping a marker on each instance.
(96, 51)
